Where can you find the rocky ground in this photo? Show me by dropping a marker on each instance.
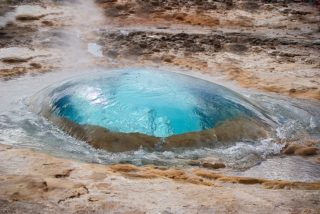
(39, 183)
(271, 46)
(267, 45)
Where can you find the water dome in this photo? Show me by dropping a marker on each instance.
(126, 109)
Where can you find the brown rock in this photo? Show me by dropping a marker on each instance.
(28, 17)
(35, 65)
(290, 149)
(302, 150)
(64, 174)
(269, 184)
(168, 59)
(124, 168)
(307, 151)
(194, 163)
(209, 165)
(13, 60)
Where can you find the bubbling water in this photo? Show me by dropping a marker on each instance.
(30, 119)
(126, 109)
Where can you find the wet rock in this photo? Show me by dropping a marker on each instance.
(16, 55)
(209, 165)
(168, 58)
(220, 134)
(269, 184)
(28, 17)
(308, 151)
(15, 60)
(36, 65)
(30, 13)
(102, 138)
(194, 163)
(246, 129)
(301, 150)
(290, 149)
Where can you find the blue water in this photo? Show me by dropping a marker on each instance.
(26, 100)
(151, 102)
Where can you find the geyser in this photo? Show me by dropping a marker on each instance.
(126, 109)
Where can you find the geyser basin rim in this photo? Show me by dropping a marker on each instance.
(20, 126)
(165, 104)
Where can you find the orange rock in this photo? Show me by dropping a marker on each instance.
(306, 151)
(124, 168)
(290, 149)
(302, 150)
(269, 184)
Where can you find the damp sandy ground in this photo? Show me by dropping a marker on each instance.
(267, 47)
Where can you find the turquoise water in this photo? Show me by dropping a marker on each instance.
(155, 103)
(28, 98)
